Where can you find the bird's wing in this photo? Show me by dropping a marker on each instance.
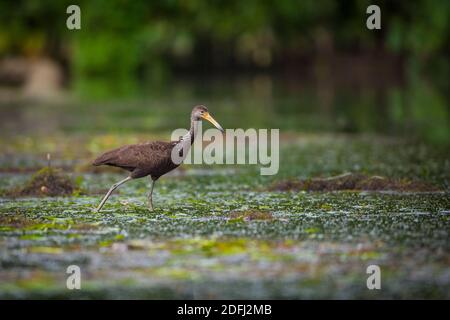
(133, 156)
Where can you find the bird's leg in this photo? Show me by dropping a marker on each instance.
(113, 187)
(150, 195)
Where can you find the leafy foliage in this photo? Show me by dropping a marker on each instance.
(151, 37)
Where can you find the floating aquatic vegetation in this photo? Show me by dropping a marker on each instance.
(249, 215)
(226, 236)
(9, 222)
(354, 181)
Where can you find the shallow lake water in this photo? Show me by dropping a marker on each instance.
(221, 231)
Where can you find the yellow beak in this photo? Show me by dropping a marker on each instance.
(208, 117)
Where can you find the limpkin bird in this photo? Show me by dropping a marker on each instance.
(154, 158)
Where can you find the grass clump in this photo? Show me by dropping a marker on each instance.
(47, 182)
(354, 181)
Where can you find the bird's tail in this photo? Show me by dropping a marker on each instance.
(103, 159)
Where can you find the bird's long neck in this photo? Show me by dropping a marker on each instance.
(188, 139)
(193, 130)
(191, 134)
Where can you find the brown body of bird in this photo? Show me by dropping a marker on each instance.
(152, 159)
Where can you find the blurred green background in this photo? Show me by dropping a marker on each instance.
(301, 66)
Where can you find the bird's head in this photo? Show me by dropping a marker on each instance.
(201, 112)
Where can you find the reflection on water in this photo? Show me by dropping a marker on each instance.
(416, 109)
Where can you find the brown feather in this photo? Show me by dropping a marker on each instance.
(151, 158)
